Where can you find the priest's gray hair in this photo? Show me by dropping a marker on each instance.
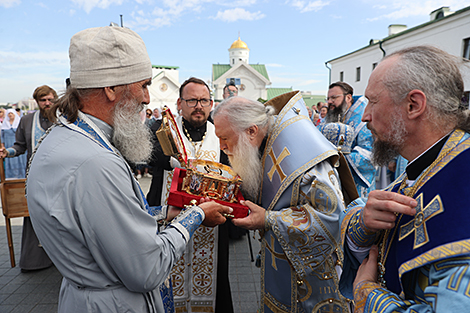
(243, 113)
(436, 73)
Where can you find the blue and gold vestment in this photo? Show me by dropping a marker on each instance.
(427, 267)
(301, 250)
(359, 157)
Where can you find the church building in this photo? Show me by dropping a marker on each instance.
(251, 79)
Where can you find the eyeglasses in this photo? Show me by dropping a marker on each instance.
(193, 102)
(333, 98)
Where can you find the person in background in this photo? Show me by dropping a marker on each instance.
(343, 127)
(2, 115)
(199, 138)
(87, 209)
(420, 222)
(15, 166)
(30, 129)
(230, 90)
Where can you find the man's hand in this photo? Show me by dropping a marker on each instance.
(214, 213)
(3, 151)
(255, 220)
(368, 269)
(379, 211)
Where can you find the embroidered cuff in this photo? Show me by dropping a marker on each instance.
(268, 222)
(359, 233)
(188, 221)
(158, 212)
(361, 292)
(11, 152)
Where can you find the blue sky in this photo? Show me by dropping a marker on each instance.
(293, 38)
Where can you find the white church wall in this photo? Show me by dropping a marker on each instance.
(447, 34)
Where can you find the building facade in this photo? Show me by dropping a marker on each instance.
(449, 31)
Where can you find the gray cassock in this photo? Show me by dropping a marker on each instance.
(88, 212)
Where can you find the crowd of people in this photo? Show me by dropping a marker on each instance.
(330, 240)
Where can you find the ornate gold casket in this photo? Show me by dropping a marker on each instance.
(198, 178)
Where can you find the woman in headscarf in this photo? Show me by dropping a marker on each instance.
(14, 167)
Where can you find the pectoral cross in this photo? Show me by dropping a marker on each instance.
(276, 164)
(418, 224)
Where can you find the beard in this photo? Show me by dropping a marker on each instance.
(335, 114)
(131, 137)
(386, 150)
(246, 162)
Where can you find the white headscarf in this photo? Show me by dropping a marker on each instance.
(6, 122)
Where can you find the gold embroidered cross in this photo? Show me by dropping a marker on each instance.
(418, 224)
(276, 164)
(274, 255)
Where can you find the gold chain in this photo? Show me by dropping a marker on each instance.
(196, 149)
(383, 254)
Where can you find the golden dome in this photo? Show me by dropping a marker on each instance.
(238, 44)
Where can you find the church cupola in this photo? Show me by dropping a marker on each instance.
(238, 52)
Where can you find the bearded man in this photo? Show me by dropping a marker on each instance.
(343, 127)
(29, 131)
(199, 138)
(288, 168)
(87, 208)
(420, 222)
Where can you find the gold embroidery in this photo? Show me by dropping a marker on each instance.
(274, 254)
(418, 224)
(277, 164)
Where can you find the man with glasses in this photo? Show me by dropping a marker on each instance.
(230, 90)
(344, 128)
(30, 130)
(195, 104)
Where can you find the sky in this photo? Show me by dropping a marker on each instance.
(293, 38)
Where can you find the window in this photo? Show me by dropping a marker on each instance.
(466, 48)
(358, 74)
(374, 65)
(341, 76)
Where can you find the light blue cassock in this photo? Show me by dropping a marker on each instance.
(90, 215)
(301, 250)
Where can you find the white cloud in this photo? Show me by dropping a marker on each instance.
(9, 3)
(399, 9)
(308, 6)
(88, 5)
(232, 15)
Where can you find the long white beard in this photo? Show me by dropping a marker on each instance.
(246, 162)
(131, 137)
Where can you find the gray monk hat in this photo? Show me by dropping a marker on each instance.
(108, 56)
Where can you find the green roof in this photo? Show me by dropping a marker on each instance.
(220, 69)
(166, 67)
(313, 99)
(274, 92)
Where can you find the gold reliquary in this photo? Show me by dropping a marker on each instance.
(198, 178)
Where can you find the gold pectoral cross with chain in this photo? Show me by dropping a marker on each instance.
(418, 224)
(277, 164)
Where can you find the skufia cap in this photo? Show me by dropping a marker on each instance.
(108, 56)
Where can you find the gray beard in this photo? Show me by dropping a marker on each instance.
(131, 137)
(385, 151)
(246, 162)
